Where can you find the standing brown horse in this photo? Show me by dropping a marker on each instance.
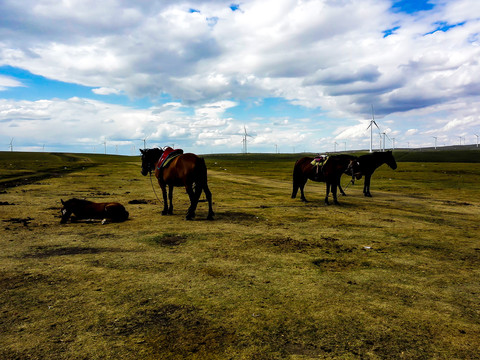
(330, 173)
(186, 170)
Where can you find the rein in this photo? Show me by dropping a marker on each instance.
(153, 187)
(352, 181)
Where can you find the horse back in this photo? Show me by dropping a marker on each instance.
(304, 169)
(115, 211)
(185, 168)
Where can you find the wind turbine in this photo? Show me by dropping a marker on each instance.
(11, 144)
(435, 142)
(245, 139)
(477, 138)
(335, 146)
(371, 129)
(384, 134)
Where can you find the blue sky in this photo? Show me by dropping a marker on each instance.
(299, 76)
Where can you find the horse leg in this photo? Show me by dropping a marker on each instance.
(366, 186)
(334, 193)
(340, 189)
(208, 195)
(302, 186)
(194, 196)
(170, 199)
(328, 191)
(165, 200)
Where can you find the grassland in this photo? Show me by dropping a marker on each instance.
(391, 277)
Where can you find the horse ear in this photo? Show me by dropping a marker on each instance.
(142, 151)
(62, 201)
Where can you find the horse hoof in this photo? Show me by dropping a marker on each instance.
(164, 212)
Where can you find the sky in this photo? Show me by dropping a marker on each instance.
(114, 76)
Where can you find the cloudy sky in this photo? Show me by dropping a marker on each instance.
(297, 75)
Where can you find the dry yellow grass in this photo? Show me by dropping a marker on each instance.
(391, 277)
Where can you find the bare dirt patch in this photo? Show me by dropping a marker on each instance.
(40, 252)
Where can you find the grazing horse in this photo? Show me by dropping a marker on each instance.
(370, 162)
(84, 209)
(188, 170)
(330, 173)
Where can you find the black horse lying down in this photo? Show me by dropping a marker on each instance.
(84, 209)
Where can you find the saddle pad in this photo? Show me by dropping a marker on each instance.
(168, 155)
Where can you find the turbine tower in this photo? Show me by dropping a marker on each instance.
(477, 138)
(435, 142)
(371, 129)
(383, 135)
(11, 144)
(244, 141)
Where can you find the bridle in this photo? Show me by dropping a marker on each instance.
(350, 168)
(149, 169)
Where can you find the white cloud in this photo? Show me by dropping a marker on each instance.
(330, 55)
(8, 82)
(106, 91)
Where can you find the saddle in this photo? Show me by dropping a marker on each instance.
(168, 155)
(319, 160)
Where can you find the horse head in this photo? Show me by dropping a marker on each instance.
(390, 160)
(149, 159)
(66, 211)
(353, 169)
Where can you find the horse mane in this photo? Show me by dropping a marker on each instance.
(75, 200)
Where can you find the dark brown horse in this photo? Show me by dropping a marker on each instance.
(330, 173)
(370, 162)
(186, 170)
(84, 209)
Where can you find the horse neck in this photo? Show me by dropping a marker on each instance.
(379, 159)
(156, 156)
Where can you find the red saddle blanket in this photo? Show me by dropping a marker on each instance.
(168, 155)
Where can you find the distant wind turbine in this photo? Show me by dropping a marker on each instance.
(11, 144)
(477, 138)
(435, 142)
(245, 139)
(384, 144)
(372, 122)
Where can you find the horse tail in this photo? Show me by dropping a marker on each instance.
(203, 169)
(296, 174)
